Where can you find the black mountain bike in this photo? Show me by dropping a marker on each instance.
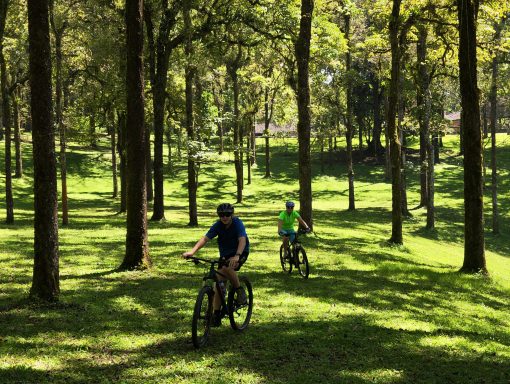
(239, 314)
(296, 256)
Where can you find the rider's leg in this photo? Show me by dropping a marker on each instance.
(231, 274)
(285, 244)
(217, 299)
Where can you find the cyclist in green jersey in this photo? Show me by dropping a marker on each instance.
(286, 221)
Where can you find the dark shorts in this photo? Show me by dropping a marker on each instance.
(242, 259)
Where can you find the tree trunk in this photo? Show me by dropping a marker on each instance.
(121, 149)
(149, 163)
(422, 91)
(232, 68)
(168, 135)
(376, 137)
(474, 242)
(266, 133)
(431, 209)
(402, 137)
(253, 145)
(114, 159)
(159, 54)
(493, 97)
(190, 128)
(4, 4)
(17, 137)
(302, 49)
(395, 146)
(426, 148)
(58, 34)
(6, 122)
(45, 281)
(348, 122)
(92, 128)
(436, 142)
(137, 245)
(248, 151)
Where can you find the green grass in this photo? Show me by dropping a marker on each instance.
(369, 313)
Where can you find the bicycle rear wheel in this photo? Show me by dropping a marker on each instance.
(240, 313)
(286, 262)
(202, 314)
(302, 262)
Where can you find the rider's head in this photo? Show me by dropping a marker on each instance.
(289, 205)
(225, 211)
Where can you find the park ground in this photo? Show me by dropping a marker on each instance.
(369, 313)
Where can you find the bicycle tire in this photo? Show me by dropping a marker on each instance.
(202, 317)
(240, 315)
(285, 262)
(302, 262)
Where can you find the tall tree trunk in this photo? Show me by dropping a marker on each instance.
(232, 68)
(190, 127)
(114, 158)
(375, 144)
(58, 33)
(121, 149)
(422, 91)
(348, 121)
(159, 54)
(302, 49)
(168, 135)
(474, 241)
(4, 5)
(92, 128)
(6, 122)
(248, 151)
(149, 163)
(431, 220)
(426, 148)
(253, 145)
(266, 133)
(137, 244)
(402, 137)
(395, 146)
(436, 141)
(45, 281)
(387, 149)
(493, 97)
(218, 94)
(17, 137)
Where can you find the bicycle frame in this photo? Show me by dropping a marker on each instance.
(212, 275)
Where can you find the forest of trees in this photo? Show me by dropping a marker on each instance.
(196, 76)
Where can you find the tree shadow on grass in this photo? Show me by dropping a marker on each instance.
(349, 342)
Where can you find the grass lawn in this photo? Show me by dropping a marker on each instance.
(369, 313)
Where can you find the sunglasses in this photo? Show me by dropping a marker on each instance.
(224, 214)
(290, 207)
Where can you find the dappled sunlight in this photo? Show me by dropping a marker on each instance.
(369, 311)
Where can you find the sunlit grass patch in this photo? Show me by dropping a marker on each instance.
(369, 312)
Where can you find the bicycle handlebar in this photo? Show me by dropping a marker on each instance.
(197, 260)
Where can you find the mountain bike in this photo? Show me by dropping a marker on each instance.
(295, 257)
(238, 313)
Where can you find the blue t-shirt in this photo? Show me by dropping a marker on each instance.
(228, 237)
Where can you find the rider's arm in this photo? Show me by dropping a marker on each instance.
(280, 223)
(241, 243)
(200, 243)
(302, 222)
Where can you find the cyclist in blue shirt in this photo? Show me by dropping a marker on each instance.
(234, 248)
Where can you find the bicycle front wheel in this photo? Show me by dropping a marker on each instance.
(239, 312)
(202, 314)
(302, 262)
(285, 261)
